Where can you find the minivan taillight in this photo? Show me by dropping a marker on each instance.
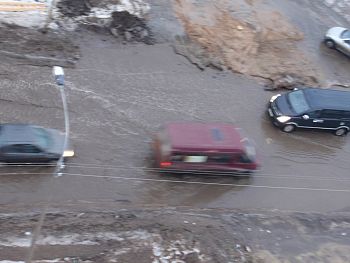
(165, 164)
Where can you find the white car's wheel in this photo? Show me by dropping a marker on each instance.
(329, 43)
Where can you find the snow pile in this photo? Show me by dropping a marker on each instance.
(26, 13)
(125, 19)
(137, 7)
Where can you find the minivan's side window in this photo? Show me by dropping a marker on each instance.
(314, 114)
(243, 158)
(346, 115)
(332, 114)
(221, 158)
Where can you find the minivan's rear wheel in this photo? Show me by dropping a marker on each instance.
(329, 43)
(341, 132)
(288, 128)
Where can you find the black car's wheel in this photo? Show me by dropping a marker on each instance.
(329, 43)
(288, 128)
(341, 132)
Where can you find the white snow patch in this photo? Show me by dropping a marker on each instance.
(135, 7)
(33, 19)
(157, 249)
(163, 251)
(173, 251)
(38, 18)
(36, 261)
(15, 242)
(120, 252)
(78, 239)
(72, 239)
(29, 18)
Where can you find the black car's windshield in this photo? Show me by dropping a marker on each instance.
(42, 137)
(345, 34)
(298, 101)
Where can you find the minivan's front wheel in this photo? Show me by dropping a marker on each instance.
(341, 132)
(288, 128)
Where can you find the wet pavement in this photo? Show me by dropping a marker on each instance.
(120, 95)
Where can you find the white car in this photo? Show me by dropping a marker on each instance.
(338, 38)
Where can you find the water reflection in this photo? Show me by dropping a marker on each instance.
(302, 143)
(24, 181)
(190, 190)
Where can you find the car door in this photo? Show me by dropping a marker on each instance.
(22, 153)
(31, 153)
(345, 46)
(310, 119)
(331, 119)
(11, 153)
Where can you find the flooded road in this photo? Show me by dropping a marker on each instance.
(120, 95)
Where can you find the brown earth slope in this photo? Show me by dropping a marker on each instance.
(247, 37)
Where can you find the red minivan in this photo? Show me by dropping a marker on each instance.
(203, 148)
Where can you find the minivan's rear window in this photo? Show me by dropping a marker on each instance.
(195, 159)
(211, 158)
(298, 101)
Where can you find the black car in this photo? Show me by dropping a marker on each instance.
(311, 108)
(23, 143)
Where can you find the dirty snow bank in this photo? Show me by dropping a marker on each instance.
(174, 235)
(138, 8)
(26, 13)
(125, 19)
(69, 14)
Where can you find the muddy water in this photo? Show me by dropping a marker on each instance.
(120, 95)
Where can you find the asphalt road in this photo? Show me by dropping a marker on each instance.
(120, 95)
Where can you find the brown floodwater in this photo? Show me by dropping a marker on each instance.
(120, 95)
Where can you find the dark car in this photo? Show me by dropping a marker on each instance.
(23, 143)
(311, 108)
(202, 148)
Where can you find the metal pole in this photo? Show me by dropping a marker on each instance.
(59, 167)
(60, 164)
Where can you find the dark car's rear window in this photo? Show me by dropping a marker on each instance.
(42, 137)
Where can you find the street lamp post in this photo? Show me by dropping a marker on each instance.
(58, 74)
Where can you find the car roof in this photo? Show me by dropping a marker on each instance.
(328, 99)
(17, 134)
(189, 136)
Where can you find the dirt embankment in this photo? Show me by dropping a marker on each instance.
(247, 37)
(34, 47)
(50, 43)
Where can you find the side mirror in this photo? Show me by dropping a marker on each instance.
(306, 117)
